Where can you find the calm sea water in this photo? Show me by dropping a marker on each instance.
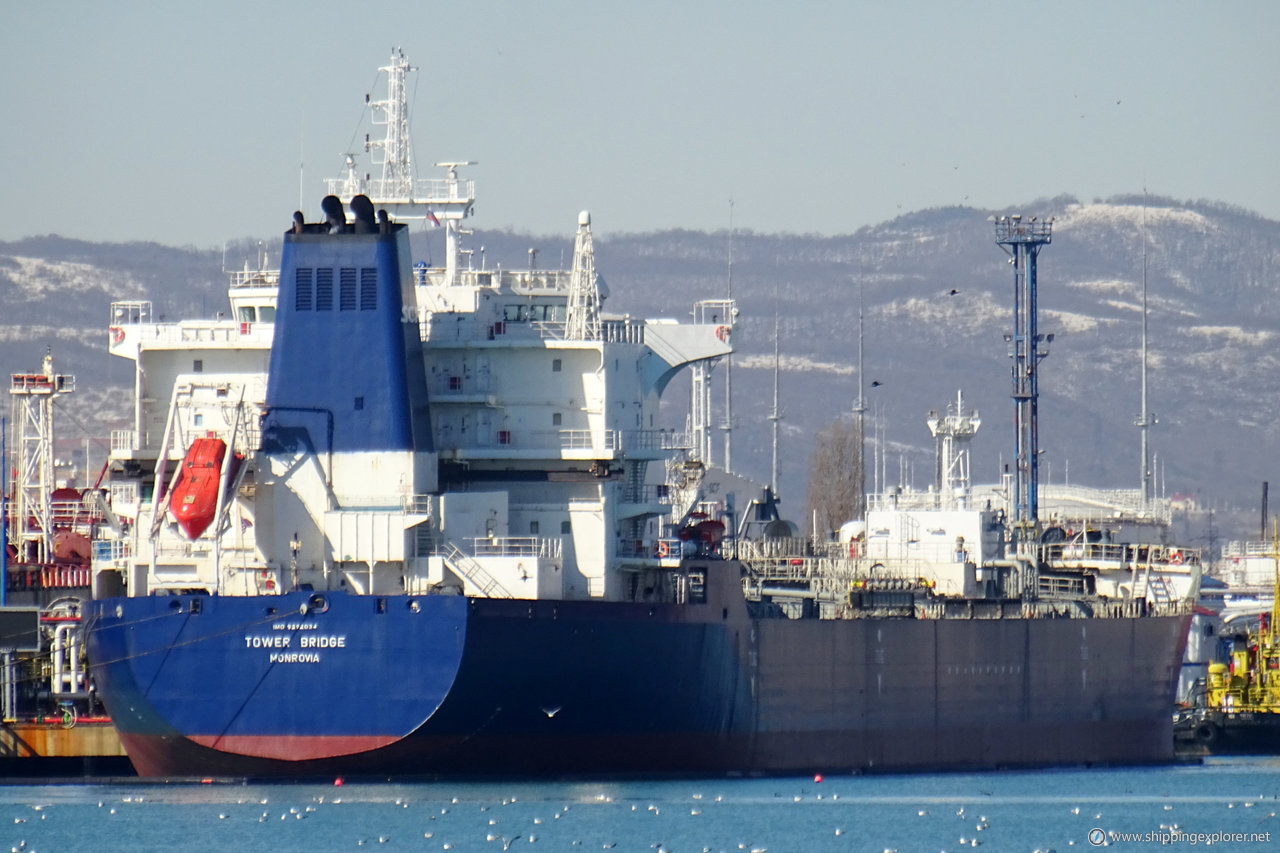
(1235, 799)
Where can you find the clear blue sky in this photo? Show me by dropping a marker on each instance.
(186, 123)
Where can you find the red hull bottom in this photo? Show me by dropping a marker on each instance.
(889, 750)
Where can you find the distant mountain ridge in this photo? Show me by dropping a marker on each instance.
(1211, 273)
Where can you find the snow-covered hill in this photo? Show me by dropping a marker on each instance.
(936, 295)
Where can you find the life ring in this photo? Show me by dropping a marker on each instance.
(722, 332)
(117, 334)
(664, 550)
(1175, 558)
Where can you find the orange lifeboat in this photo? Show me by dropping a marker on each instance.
(195, 494)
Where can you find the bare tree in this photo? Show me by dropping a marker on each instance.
(836, 476)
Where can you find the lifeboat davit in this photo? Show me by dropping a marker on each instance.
(195, 493)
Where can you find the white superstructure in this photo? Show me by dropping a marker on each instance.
(544, 420)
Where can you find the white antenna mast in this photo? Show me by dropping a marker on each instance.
(1145, 420)
(727, 424)
(952, 433)
(301, 172)
(859, 419)
(775, 416)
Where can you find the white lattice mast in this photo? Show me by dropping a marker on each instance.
(394, 152)
(953, 433)
(31, 517)
(442, 201)
(583, 316)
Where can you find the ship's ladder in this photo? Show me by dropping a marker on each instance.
(1152, 586)
(1161, 592)
(635, 480)
(470, 568)
(697, 588)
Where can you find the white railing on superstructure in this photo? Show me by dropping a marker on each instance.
(242, 279)
(586, 439)
(448, 327)
(648, 549)
(411, 504)
(1075, 503)
(1119, 554)
(655, 439)
(124, 493)
(523, 282)
(1248, 548)
(124, 439)
(416, 504)
(110, 550)
(130, 312)
(468, 567)
(207, 332)
(650, 493)
(1085, 503)
(609, 441)
(910, 500)
(516, 546)
(425, 191)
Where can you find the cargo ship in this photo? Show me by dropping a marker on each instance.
(449, 535)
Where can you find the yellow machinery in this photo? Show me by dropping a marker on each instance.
(1252, 681)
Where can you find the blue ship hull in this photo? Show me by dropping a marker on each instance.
(445, 685)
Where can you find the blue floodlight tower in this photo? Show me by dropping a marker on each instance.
(1022, 240)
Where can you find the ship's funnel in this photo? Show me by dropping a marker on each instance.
(346, 372)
